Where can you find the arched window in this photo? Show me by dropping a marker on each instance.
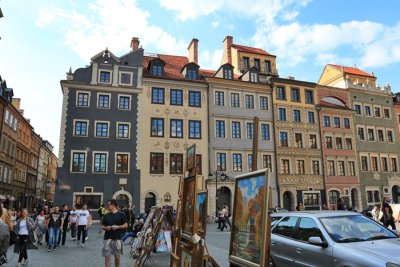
(333, 196)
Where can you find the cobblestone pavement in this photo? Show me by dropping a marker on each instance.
(71, 255)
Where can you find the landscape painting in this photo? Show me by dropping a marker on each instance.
(189, 202)
(201, 205)
(247, 229)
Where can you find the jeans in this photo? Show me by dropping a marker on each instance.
(82, 230)
(63, 235)
(54, 232)
(23, 243)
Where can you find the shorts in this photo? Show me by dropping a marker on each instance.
(112, 247)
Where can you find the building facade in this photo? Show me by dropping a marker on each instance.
(172, 117)
(97, 156)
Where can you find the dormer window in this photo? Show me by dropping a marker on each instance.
(253, 77)
(245, 63)
(191, 74)
(157, 70)
(268, 66)
(105, 77)
(257, 63)
(228, 73)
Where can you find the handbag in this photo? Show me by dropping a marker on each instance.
(13, 238)
(3, 260)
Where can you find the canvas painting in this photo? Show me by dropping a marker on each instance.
(201, 205)
(186, 259)
(247, 229)
(188, 206)
(191, 157)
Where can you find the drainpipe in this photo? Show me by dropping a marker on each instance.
(318, 108)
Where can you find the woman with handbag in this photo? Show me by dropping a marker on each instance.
(24, 229)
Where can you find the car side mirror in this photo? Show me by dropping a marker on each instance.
(316, 240)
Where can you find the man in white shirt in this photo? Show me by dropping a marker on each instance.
(73, 217)
(84, 222)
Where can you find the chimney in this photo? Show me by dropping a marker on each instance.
(193, 51)
(16, 102)
(135, 44)
(227, 50)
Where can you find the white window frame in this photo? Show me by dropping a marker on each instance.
(302, 139)
(319, 166)
(117, 129)
(383, 112)
(215, 126)
(130, 102)
(72, 160)
(378, 162)
(371, 128)
(370, 108)
(361, 108)
(95, 129)
(386, 135)
(281, 165)
(312, 192)
(107, 161)
(98, 100)
(309, 143)
(120, 75)
(104, 70)
(74, 125)
(305, 165)
(77, 98)
(380, 110)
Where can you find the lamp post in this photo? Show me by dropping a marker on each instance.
(48, 186)
(217, 174)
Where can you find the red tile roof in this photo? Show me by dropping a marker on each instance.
(251, 49)
(207, 73)
(351, 70)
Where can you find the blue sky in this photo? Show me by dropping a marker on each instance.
(41, 39)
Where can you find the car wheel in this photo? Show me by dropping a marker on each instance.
(271, 262)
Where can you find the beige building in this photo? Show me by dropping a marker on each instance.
(172, 115)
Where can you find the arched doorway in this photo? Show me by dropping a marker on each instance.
(396, 194)
(287, 201)
(356, 205)
(333, 196)
(122, 200)
(224, 196)
(149, 201)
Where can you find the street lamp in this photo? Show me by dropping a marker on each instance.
(218, 174)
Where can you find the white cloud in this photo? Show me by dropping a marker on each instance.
(215, 24)
(191, 9)
(211, 60)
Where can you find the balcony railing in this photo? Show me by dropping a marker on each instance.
(262, 67)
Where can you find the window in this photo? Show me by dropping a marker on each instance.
(228, 74)
(349, 144)
(220, 129)
(250, 162)
(285, 168)
(360, 133)
(367, 110)
(352, 168)
(249, 101)
(176, 128)
(286, 227)
(381, 136)
(371, 134)
(124, 102)
(357, 108)
(78, 162)
(309, 97)
(328, 142)
(386, 113)
(80, 128)
(346, 123)
(263, 103)
(390, 136)
(125, 78)
(283, 139)
(253, 77)
(157, 127)
(373, 196)
(267, 162)
(384, 164)
(250, 130)
(101, 129)
(377, 112)
(157, 95)
(123, 130)
(235, 102)
(100, 162)
(374, 164)
(176, 97)
(236, 130)
(311, 117)
(298, 139)
(341, 167)
(191, 74)
(194, 99)
(333, 196)
(393, 164)
(315, 167)
(221, 161)
(257, 63)
(157, 70)
(105, 76)
(282, 114)
(313, 141)
(327, 121)
(265, 132)
(281, 93)
(246, 63)
(336, 121)
(122, 163)
(331, 168)
(295, 93)
(157, 163)
(219, 98)
(195, 129)
(176, 164)
(237, 162)
(199, 165)
(339, 143)
(308, 228)
(300, 167)
(296, 115)
(103, 101)
(364, 163)
(83, 100)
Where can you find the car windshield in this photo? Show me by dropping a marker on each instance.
(354, 228)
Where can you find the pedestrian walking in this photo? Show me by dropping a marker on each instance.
(84, 222)
(222, 221)
(25, 238)
(387, 217)
(227, 215)
(4, 239)
(40, 227)
(54, 223)
(114, 224)
(64, 229)
(73, 217)
(300, 206)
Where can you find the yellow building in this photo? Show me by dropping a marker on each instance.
(172, 115)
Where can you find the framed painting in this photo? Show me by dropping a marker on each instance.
(150, 216)
(201, 209)
(248, 235)
(186, 258)
(180, 187)
(189, 227)
(191, 157)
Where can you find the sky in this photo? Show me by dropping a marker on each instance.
(42, 39)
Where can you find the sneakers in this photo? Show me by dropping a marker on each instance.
(25, 262)
(86, 238)
(49, 249)
(83, 245)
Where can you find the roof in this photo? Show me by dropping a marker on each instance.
(251, 49)
(172, 68)
(351, 70)
(207, 73)
(317, 213)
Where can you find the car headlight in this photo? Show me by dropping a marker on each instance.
(389, 264)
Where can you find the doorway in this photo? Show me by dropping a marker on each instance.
(224, 196)
(287, 201)
(149, 201)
